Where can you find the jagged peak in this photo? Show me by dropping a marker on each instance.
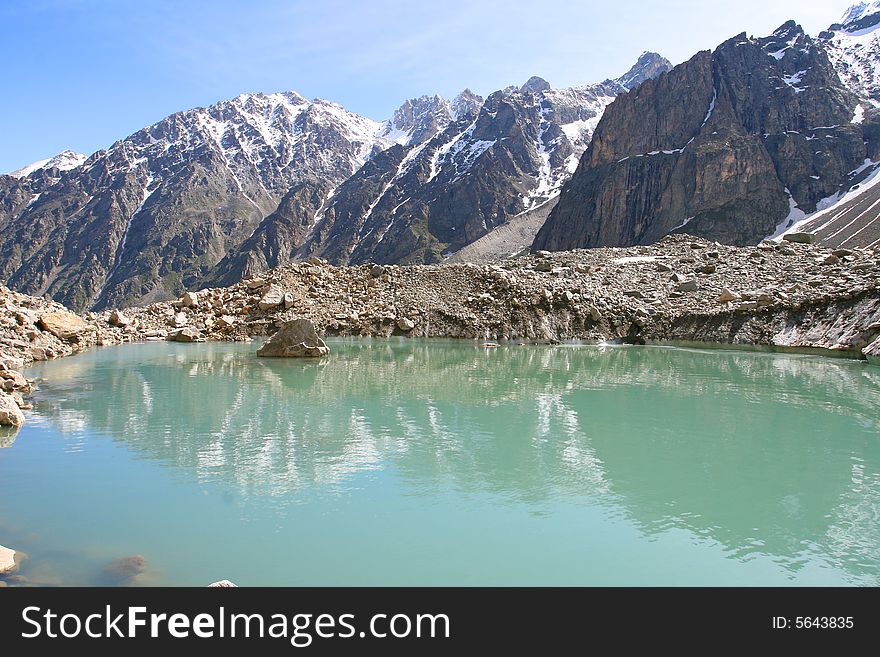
(466, 102)
(648, 65)
(535, 85)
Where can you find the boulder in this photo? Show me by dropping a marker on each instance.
(800, 238)
(186, 334)
(255, 283)
(727, 296)
(64, 325)
(118, 319)
(295, 339)
(222, 584)
(10, 413)
(376, 271)
(687, 286)
(225, 321)
(179, 320)
(273, 298)
(406, 324)
(190, 299)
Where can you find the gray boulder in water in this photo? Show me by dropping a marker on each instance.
(296, 339)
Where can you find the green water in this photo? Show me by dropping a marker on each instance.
(441, 463)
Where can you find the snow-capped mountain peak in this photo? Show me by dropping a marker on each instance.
(853, 46)
(859, 12)
(64, 161)
(465, 103)
(417, 120)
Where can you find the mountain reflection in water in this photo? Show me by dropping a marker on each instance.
(763, 454)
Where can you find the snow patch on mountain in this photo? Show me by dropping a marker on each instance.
(64, 161)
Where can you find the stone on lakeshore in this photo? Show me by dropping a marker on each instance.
(10, 413)
(64, 325)
(687, 286)
(727, 296)
(186, 334)
(11, 362)
(118, 319)
(406, 324)
(8, 561)
(223, 584)
(11, 380)
(190, 299)
(296, 339)
(180, 320)
(273, 298)
(225, 321)
(800, 238)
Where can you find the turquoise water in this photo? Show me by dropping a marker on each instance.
(441, 463)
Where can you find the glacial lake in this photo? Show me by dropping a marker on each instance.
(409, 462)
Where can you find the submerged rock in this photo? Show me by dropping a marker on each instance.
(10, 413)
(296, 339)
(124, 571)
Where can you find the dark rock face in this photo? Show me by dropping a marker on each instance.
(720, 147)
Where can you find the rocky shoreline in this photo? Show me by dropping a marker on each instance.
(682, 289)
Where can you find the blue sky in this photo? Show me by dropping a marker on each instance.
(81, 74)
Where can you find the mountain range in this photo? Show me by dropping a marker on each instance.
(212, 194)
(757, 137)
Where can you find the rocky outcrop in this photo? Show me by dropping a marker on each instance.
(724, 146)
(296, 339)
